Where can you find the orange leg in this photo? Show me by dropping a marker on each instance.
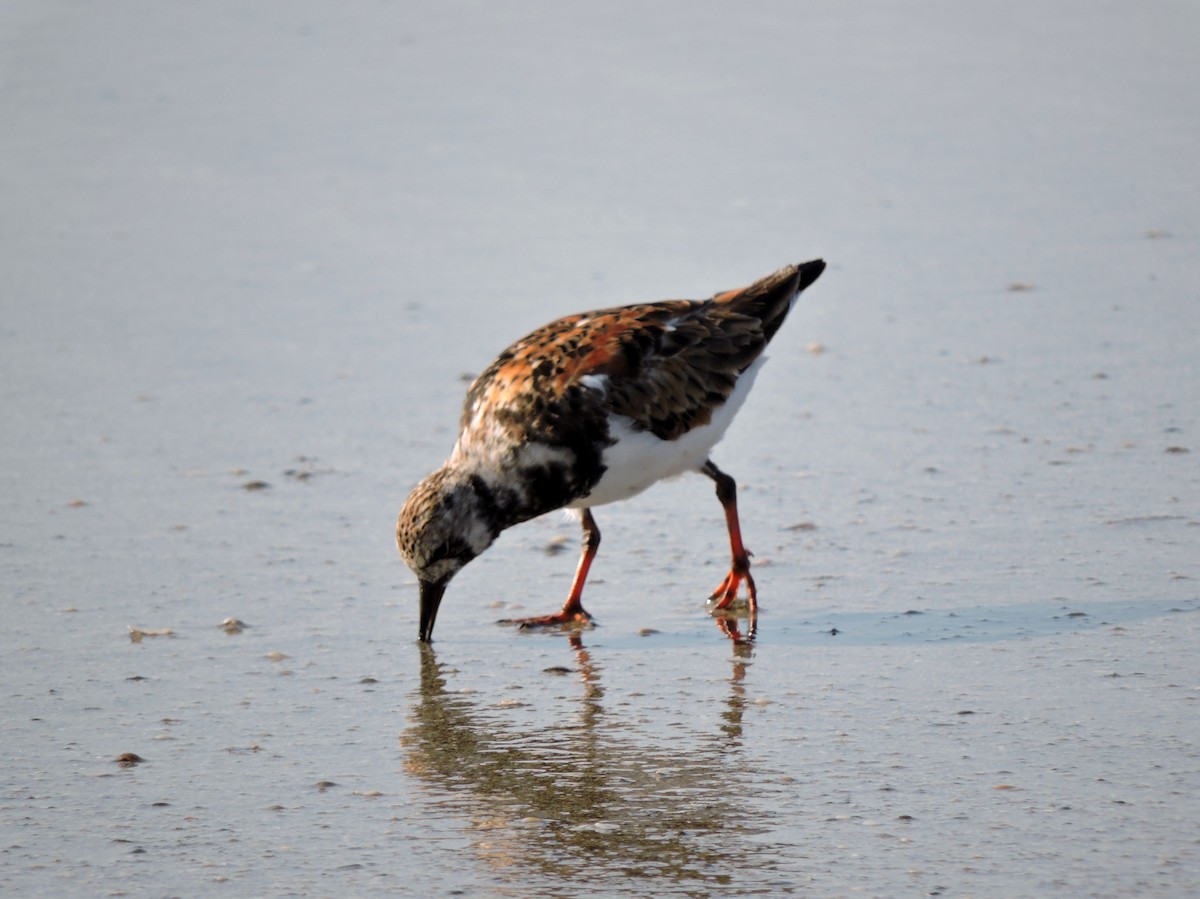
(739, 569)
(572, 611)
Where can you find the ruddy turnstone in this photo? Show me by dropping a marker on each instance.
(592, 409)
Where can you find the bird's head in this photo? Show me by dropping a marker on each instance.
(441, 528)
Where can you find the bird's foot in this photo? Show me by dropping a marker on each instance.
(565, 618)
(726, 593)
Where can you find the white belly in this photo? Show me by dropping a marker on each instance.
(639, 459)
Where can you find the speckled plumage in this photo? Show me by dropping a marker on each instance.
(593, 408)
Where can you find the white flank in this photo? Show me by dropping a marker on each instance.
(639, 459)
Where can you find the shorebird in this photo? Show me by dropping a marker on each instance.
(592, 409)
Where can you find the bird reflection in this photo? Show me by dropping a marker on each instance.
(729, 626)
(586, 794)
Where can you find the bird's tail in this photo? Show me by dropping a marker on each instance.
(770, 298)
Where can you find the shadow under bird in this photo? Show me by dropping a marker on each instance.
(591, 409)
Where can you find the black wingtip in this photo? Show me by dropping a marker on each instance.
(809, 272)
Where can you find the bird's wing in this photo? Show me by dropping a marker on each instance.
(679, 361)
(666, 366)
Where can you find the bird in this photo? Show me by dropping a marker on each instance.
(592, 409)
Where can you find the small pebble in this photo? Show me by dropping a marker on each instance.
(136, 634)
(555, 546)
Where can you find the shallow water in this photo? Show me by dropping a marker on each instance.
(993, 751)
(250, 260)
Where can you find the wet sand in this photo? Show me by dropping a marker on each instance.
(250, 257)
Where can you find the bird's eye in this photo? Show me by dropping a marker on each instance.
(452, 548)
